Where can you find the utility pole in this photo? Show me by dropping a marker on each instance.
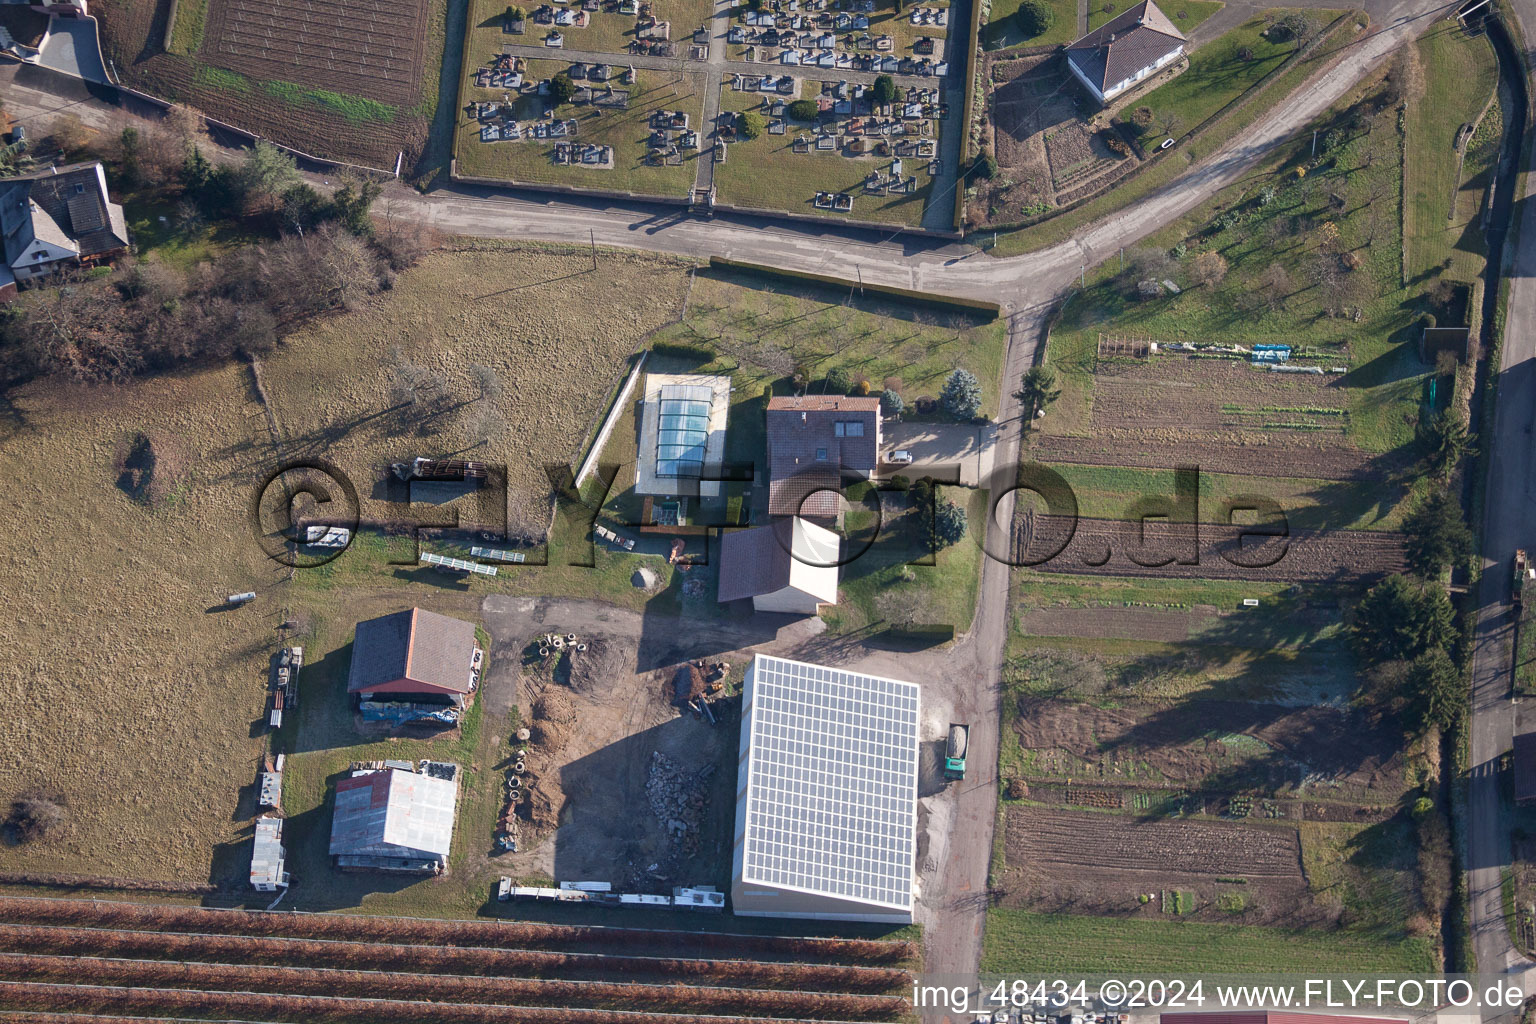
(1122, 259)
(1314, 142)
(592, 234)
(1083, 280)
(859, 267)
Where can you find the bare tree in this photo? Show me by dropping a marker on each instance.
(1275, 284)
(486, 379)
(70, 134)
(1208, 269)
(484, 422)
(34, 815)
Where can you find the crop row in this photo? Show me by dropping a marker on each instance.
(498, 935)
(475, 961)
(106, 999)
(310, 981)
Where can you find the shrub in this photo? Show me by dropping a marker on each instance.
(35, 815)
(839, 380)
(1035, 17)
(1115, 143)
(1421, 807)
(962, 395)
(803, 110)
(885, 89)
(899, 483)
(862, 386)
(750, 124)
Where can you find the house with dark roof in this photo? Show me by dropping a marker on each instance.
(813, 442)
(788, 566)
(1125, 50)
(414, 656)
(54, 218)
(394, 820)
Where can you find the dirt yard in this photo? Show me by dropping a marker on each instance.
(1089, 863)
(1046, 153)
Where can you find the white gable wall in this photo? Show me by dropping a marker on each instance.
(40, 258)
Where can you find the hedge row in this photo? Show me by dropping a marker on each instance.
(473, 961)
(992, 309)
(493, 934)
(311, 981)
(313, 1009)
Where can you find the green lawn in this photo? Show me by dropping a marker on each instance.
(1002, 28)
(1218, 73)
(1020, 942)
(1186, 14)
(187, 30)
(1460, 73)
(765, 173)
(1340, 208)
(880, 589)
(1270, 93)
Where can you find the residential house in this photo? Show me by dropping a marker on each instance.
(812, 442)
(55, 218)
(789, 566)
(1125, 50)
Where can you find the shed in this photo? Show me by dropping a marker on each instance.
(393, 820)
(413, 651)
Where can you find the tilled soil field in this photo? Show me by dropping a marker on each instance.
(1213, 745)
(1280, 455)
(371, 48)
(1103, 863)
(1213, 398)
(1106, 547)
(132, 32)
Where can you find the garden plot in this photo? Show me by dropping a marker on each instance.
(370, 48)
(1107, 863)
(1304, 757)
(1044, 147)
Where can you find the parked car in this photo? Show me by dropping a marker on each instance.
(900, 457)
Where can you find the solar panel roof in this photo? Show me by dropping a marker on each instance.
(831, 782)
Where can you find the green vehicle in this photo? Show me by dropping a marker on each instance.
(954, 751)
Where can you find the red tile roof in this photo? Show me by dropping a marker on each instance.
(412, 651)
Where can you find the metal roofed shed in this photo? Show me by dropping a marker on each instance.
(682, 434)
(393, 820)
(268, 857)
(826, 814)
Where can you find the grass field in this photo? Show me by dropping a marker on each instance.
(766, 174)
(1271, 92)
(1219, 72)
(1255, 227)
(1458, 74)
(187, 28)
(1019, 942)
(1186, 14)
(880, 588)
(1002, 29)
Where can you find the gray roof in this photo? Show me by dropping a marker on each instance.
(1124, 45)
(76, 211)
(393, 813)
(267, 854)
(412, 651)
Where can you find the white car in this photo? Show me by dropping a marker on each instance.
(900, 457)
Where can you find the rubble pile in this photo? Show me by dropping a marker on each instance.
(677, 798)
